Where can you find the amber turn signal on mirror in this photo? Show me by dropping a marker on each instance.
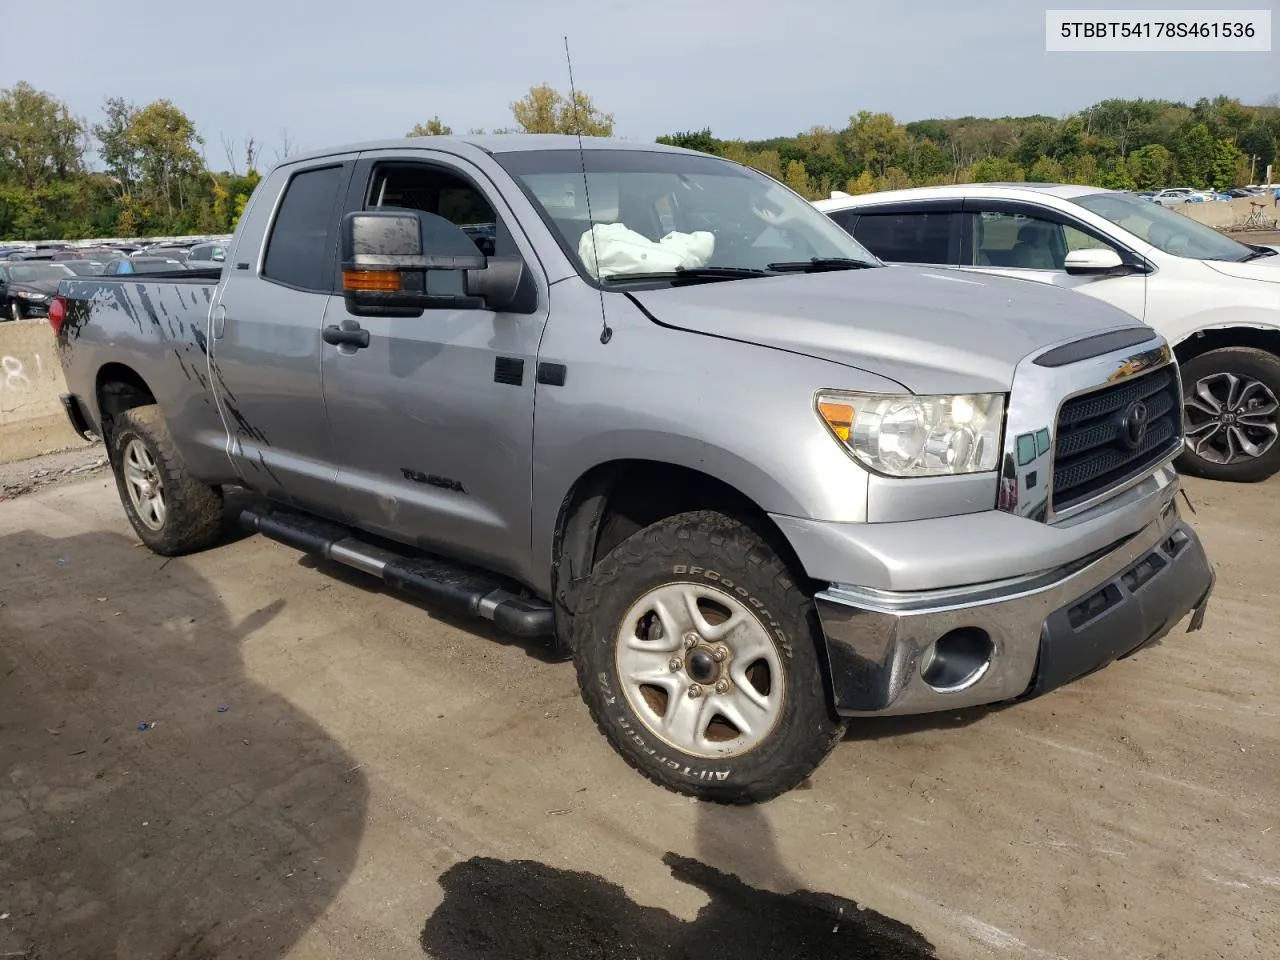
(374, 281)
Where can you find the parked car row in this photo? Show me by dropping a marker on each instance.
(29, 276)
(1178, 195)
(1215, 299)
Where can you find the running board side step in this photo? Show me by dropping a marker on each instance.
(438, 581)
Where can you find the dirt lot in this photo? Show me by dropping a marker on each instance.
(385, 781)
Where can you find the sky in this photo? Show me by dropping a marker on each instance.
(329, 72)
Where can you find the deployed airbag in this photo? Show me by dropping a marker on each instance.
(609, 249)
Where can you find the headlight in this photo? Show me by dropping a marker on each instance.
(909, 436)
(25, 295)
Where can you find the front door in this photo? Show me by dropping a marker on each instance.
(1030, 243)
(432, 422)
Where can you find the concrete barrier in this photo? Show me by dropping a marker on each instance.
(1225, 214)
(32, 421)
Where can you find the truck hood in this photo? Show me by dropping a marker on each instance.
(931, 330)
(1267, 269)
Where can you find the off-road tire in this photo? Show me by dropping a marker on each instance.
(709, 549)
(193, 514)
(1246, 362)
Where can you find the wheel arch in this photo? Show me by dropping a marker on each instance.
(1203, 341)
(117, 388)
(613, 500)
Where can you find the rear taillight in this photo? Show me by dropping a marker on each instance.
(57, 313)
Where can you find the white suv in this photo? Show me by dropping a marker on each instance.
(1215, 299)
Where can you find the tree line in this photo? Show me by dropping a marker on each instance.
(1119, 144)
(143, 170)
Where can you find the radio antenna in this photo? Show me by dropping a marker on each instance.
(606, 334)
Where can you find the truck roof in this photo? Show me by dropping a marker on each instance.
(494, 143)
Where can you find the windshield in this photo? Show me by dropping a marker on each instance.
(38, 272)
(1163, 228)
(656, 213)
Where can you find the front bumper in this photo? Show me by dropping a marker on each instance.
(32, 309)
(1014, 637)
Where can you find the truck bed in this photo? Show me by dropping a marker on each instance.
(157, 323)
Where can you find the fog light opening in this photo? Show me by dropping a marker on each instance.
(957, 659)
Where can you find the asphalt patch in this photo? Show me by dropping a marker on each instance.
(524, 909)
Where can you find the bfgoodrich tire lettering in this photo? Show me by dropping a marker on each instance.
(730, 569)
(191, 516)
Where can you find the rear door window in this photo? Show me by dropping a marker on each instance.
(906, 237)
(300, 248)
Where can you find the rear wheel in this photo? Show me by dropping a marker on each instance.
(1231, 412)
(697, 659)
(171, 511)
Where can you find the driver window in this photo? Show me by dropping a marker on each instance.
(420, 186)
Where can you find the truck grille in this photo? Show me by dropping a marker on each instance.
(1103, 438)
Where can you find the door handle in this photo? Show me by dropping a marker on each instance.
(355, 336)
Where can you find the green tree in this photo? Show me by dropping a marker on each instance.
(1193, 149)
(545, 110)
(1151, 167)
(700, 140)
(797, 178)
(1116, 176)
(119, 154)
(874, 140)
(1046, 170)
(1224, 169)
(1081, 169)
(893, 178)
(167, 148)
(996, 170)
(40, 141)
(432, 128)
(928, 161)
(767, 161)
(862, 183)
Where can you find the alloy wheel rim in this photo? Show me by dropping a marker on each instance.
(1230, 419)
(145, 485)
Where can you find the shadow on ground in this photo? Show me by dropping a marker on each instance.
(210, 834)
(524, 909)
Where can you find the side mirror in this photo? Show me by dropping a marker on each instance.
(385, 271)
(219, 257)
(1097, 260)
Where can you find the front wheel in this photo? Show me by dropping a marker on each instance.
(1231, 412)
(15, 311)
(696, 657)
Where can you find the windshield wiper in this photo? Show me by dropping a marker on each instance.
(1258, 254)
(820, 265)
(688, 275)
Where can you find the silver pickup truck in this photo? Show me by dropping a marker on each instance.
(652, 406)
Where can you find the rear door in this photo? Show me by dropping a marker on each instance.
(1014, 238)
(914, 232)
(265, 339)
(433, 420)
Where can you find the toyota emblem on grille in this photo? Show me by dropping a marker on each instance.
(1134, 425)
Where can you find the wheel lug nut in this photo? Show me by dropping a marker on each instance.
(719, 654)
(675, 664)
(690, 639)
(722, 686)
(695, 692)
